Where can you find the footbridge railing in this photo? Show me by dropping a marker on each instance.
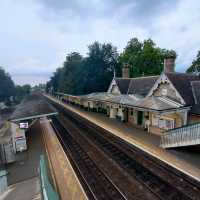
(183, 136)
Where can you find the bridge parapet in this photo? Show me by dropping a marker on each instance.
(183, 136)
(64, 178)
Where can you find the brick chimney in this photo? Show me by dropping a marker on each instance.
(169, 65)
(125, 71)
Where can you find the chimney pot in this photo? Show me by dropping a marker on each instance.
(125, 71)
(169, 65)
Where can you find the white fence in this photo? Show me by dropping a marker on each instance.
(184, 136)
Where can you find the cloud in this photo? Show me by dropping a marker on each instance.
(142, 9)
(30, 79)
(179, 30)
(36, 35)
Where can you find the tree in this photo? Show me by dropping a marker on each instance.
(80, 75)
(99, 67)
(7, 88)
(70, 74)
(40, 87)
(195, 67)
(21, 91)
(144, 58)
(93, 73)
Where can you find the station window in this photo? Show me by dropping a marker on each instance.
(169, 124)
(164, 123)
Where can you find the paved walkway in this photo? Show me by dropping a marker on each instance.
(27, 162)
(187, 162)
(23, 179)
(25, 190)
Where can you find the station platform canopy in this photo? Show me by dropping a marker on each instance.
(32, 107)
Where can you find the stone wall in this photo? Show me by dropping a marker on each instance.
(178, 122)
(171, 93)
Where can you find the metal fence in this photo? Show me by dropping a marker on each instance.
(48, 191)
(183, 136)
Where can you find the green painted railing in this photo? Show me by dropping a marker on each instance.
(48, 191)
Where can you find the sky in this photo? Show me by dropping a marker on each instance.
(36, 35)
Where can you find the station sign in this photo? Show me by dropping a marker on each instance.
(23, 125)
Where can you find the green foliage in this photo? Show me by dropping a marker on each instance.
(144, 58)
(40, 87)
(195, 67)
(93, 73)
(99, 66)
(7, 87)
(80, 75)
(21, 91)
(169, 53)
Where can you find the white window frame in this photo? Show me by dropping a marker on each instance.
(161, 122)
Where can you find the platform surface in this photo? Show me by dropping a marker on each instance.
(27, 162)
(23, 177)
(184, 160)
(25, 190)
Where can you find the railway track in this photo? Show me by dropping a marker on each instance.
(96, 184)
(130, 188)
(153, 174)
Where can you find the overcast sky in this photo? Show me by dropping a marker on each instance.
(36, 35)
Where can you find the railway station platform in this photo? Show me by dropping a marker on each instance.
(27, 162)
(186, 161)
(23, 177)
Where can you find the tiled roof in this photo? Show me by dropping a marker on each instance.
(155, 103)
(195, 109)
(123, 99)
(138, 86)
(148, 103)
(142, 85)
(123, 84)
(97, 96)
(196, 91)
(182, 83)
